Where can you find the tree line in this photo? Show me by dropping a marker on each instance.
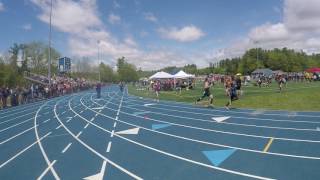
(283, 59)
(33, 57)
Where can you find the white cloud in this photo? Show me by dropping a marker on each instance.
(1, 7)
(116, 5)
(114, 19)
(81, 22)
(130, 42)
(299, 30)
(185, 34)
(27, 27)
(150, 17)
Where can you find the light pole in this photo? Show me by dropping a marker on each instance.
(49, 61)
(99, 60)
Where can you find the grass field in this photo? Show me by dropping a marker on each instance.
(296, 96)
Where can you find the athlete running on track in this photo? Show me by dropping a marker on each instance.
(206, 92)
(232, 93)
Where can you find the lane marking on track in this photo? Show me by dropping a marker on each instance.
(58, 127)
(15, 125)
(46, 170)
(44, 154)
(268, 145)
(91, 149)
(58, 135)
(114, 124)
(112, 133)
(79, 134)
(66, 148)
(4, 141)
(210, 143)
(177, 156)
(109, 146)
(46, 121)
(69, 120)
(15, 118)
(86, 126)
(25, 149)
(96, 115)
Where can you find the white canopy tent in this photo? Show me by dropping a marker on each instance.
(161, 75)
(182, 75)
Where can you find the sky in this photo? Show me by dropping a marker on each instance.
(156, 33)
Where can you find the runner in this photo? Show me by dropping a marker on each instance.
(232, 93)
(238, 85)
(157, 88)
(206, 92)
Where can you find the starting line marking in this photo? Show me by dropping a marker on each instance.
(268, 145)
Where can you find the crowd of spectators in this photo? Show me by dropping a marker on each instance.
(39, 89)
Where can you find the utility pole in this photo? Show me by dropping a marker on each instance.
(49, 60)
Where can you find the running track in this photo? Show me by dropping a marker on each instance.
(125, 137)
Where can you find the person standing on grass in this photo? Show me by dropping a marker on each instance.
(206, 92)
(232, 93)
(157, 88)
(281, 82)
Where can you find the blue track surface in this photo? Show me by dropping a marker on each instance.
(126, 137)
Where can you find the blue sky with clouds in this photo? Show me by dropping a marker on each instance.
(153, 34)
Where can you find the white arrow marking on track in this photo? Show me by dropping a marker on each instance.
(100, 175)
(220, 119)
(129, 131)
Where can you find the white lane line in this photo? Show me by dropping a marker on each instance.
(16, 118)
(69, 120)
(209, 143)
(178, 157)
(109, 146)
(58, 135)
(112, 133)
(117, 117)
(46, 121)
(2, 117)
(79, 134)
(81, 112)
(235, 124)
(75, 116)
(86, 126)
(170, 104)
(46, 170)
(20, 108)
(22, 151)
(114, 124)
(96, 115)
(94, 151)
(16, 135)
(44, 154)
(63, 112)
(92, 119)
(15, 125)
(66, 148)
(58, 127)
